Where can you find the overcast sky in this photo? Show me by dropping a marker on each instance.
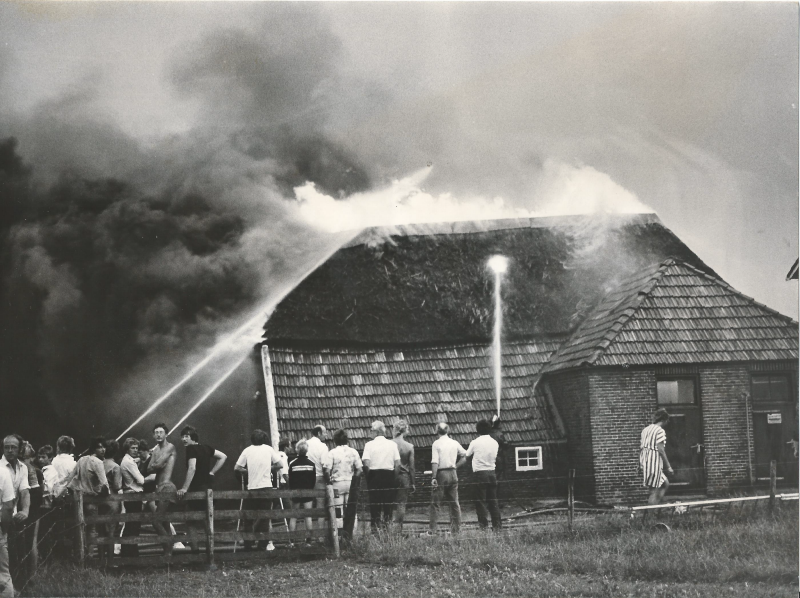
(689, 108)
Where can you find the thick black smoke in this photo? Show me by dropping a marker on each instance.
(117, 256)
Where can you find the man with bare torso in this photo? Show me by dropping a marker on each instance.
(405, 475)
(162, 461)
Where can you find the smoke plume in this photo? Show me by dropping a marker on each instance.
(125, 258)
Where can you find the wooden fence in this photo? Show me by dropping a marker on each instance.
(219, 545)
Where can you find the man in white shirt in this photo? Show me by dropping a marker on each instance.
(447, 455)
(381, 462)
(317, 452)
(63, 462)
(258, 461)
(483, 451)
(19, 476)
(7, 500)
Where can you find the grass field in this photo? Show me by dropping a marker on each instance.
(733, 556)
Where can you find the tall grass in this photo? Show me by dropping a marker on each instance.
(734, 556)
(764, 548)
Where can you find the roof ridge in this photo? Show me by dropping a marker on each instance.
(732, 290)
(461, 227)
(317, 346)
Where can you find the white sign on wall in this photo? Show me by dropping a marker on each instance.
(773, 418)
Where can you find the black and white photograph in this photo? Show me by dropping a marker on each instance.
(404, 299)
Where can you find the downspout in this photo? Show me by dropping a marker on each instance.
(750, 456)
(272, 411)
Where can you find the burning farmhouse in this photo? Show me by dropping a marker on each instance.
(605, 317)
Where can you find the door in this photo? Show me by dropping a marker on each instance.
(774, 427)
(680, 397)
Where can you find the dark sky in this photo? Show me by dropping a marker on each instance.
(241, 129)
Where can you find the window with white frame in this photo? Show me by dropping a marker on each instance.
(529, 458)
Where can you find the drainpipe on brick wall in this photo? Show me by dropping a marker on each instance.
(272, 411)
(749, 413)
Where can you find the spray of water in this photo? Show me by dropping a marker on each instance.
(231, 342)
(209, 392)
(244, 336)
(498, 264)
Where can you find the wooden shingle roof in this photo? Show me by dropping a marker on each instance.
(674, 313)
(352, 387)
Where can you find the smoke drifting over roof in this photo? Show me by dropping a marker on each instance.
(119, 255)
(176, 164)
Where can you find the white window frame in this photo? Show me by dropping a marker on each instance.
(538, 467)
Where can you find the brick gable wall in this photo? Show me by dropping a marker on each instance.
(726, 433)
(570, 393)
(622, 404)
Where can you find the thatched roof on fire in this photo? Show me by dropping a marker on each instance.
(428, 284)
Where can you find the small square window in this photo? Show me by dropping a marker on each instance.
(529, 458)
(676, 392)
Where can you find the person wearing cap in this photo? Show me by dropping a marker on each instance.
(405, 475)
(447, 455)
(483, 452)
(317, 451)
(653, 457)
(381, 461)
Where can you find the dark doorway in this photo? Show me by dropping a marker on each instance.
(685, 449)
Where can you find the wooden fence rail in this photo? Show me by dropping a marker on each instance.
(87, 520)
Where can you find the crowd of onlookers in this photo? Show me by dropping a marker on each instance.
(34, 481)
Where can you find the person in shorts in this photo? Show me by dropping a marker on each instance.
(257, 462)
(340, 466)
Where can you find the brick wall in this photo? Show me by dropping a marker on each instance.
(570, 392)
(621, 402)
(725, 431)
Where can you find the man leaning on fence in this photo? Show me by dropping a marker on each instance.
(199, 474)
(132, 484)
(447, 455)
(89, 477)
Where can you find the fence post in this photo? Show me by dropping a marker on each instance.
(351, 508)
(334, 534)
(570, 498)
(80, 527)
(35, 548)
(210, 529)
(772, 482)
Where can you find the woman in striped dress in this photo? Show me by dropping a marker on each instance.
(653, 458)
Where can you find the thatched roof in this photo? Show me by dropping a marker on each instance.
(429, 284)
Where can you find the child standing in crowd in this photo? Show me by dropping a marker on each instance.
(302, 476)
(49, 474)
